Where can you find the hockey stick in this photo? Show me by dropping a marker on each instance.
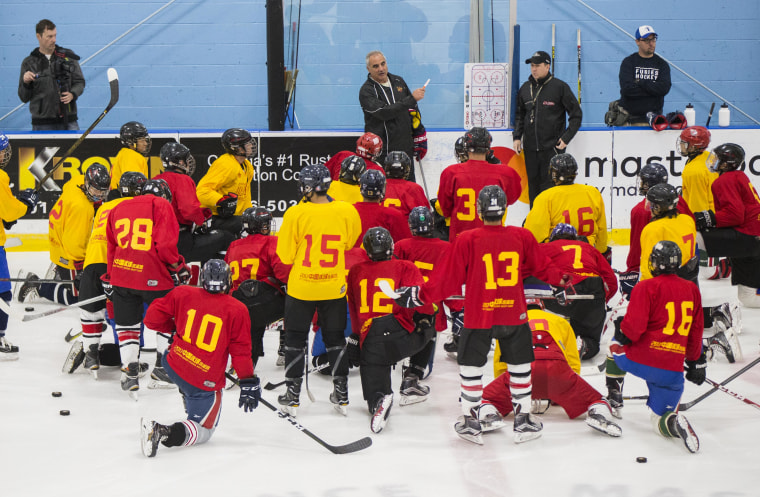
(32, 317)
(272, 386)
(113, 81)
(636, 397)
(732, 394)
(554, 39)
(422, 173)
(709, 116)
(356, 446)
(54, 281)
(306, 355)
(688, 405)
(389, 292)
(579, 66)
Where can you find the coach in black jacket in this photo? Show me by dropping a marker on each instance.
(540, 129)
(386, 101)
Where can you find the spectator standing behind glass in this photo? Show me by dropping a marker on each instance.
(644, 79)
(540, 130)
(51, 81)
(391, 112)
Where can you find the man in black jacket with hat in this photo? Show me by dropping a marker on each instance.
(540, 127)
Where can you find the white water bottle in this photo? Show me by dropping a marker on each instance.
(690, 114)
(724, 115)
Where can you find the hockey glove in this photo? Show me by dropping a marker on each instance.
(420, 145)
(227, 205)
(457, 322)
(423, 322)
(608, 255)
(627, 282)
(8, 224)
(619, 335)
(658, 122)
(250, 288)
(696, 371)
(181, 274)
(676, 120)
(704, 220)
(107, 287)
(29, 198)
(409, 296)
(353, 352)
(250, 393)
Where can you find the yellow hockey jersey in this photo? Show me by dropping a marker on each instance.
(10, 208)
(127, 160)
(97, 247)
(679, 229)
(696, 181)
(70, 224)
(226, 175)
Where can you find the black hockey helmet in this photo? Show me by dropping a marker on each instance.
(97, 182)
(234, 141)
(563, 169)
(651, 174)
(157, 187)
(6, 151)
(372, 185)
(726, 157)
(563, 231)
(131, 132)
(477, 140)
(459, 151)
(492, 203)
(131, 183)
(665, 258)
(397, 165)
(215, 276)
(421, 222)
(177, 157)
(662, 199)
(257, 220)
(351, 169)
(378, 243)
(314, 178)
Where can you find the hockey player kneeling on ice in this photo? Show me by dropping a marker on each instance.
(733, 229)
(662, 329)
(196, 361)
(555, 377)
(385, 333)
(491, 261)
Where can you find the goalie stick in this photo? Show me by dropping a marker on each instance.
(348, 448)
(113, 81)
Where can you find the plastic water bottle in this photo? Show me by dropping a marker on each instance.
(690, 114)
(724, 115)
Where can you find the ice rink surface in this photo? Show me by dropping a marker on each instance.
(96, 450)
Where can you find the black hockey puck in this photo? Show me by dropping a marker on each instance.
(64, 412)
(29, 309)
(57, 394)
(641, 459)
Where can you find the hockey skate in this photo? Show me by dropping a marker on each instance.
(159, 379)
(679, 426)
(469, 428)
(526, 426)
(539, 406)
(412, 392)
(451, 346)
(8, 351)
(74, 359)
(380, 413)
(151, 434)
(290, 399)
(615, 396)
(129, 380)
(92, 360)
(724, 339)
(281, 348)
(28, 292)
(597, 418)
(339, 395)
(490, 418)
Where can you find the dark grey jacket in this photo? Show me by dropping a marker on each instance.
(43, 93)
(388, 115)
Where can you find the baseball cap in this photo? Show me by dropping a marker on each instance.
(539, 57)
(644, 31)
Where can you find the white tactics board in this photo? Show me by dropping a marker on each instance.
(486, 87)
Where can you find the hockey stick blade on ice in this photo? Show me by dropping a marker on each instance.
(356, 446)
(113, 81)
(272, 386)
(689, 405)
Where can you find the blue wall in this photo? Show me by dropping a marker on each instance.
(201, 64)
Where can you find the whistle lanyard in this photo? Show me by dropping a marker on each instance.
(534, 99)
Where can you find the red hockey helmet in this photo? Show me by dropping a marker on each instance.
(693, 139)
(369, 146)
